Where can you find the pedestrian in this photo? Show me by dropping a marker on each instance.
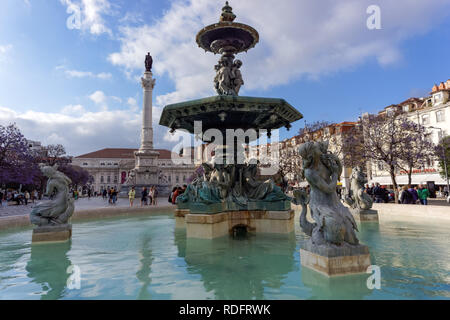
(144, 195)
(171, 194)
(415, 195)
(131, 196)
(424, 194)
(446, 191)
(378, 193)
(405, 196)
(175, 195)
(104, 194)
(155, 195)
(110, 195)
(26, 197)
(150, 195)
(114, 196)
(89, 193)
(1, 198)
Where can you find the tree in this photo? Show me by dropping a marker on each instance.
(382, 139)
(317, 125)
(442, 152)
(416, 148)
(17, 163)
(56, 155)
(78, 175)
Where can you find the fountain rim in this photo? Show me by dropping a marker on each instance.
(227, 24)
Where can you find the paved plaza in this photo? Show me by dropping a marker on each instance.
(80, 204)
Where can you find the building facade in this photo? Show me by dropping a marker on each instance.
(432, 112)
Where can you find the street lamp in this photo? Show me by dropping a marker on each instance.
(445, 158)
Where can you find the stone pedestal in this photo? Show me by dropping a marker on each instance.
(365, 215)
(210, 226)
(59, 233)
(332, 260)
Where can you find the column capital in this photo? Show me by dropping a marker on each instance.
(148, 83)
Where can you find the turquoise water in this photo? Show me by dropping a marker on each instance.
(148, 258)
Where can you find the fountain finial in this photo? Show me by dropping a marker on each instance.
(227, 13)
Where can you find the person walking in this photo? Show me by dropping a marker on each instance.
(114, 196)
(27, 197)
(144, 195)
(175, 195)
(378, 193)
(406, 197)
(424, 194)
(155, 195)
(89, 192)
(171, 194)
(150, 196)
(415, 195)
(132, 196)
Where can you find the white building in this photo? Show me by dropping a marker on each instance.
(432, 112)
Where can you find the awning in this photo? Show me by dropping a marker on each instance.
(415, 179)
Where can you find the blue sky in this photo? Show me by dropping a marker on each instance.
(80, 87)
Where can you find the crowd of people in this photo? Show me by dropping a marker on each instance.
(18, 197)
(407, 194)
(176, 191)
(149, 196)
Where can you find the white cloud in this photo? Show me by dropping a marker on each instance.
(84, 74)
(297, 39)
(73, 109)
(98, 97)
(91, 14)
(82, 132)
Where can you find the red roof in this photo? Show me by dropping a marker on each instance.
(121, 153)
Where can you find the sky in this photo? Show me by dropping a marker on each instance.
(76, 81)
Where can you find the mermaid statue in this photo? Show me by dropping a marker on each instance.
(357, 199)
(334, 224)
(59, 209)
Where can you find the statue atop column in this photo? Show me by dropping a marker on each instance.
(148, 62)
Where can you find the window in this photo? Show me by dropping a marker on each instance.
(108, 179)
(170, 178)
(440, 116)
(102, 164)
(406, 108)
(177, 179)
(115, 179)
(85, 163)
(426, 119)
(437, 97)
(184, 178)
(102, 179)
(380, 166)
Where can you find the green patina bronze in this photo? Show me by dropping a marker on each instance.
(225, 186)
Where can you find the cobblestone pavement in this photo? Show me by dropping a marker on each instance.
(80, 204)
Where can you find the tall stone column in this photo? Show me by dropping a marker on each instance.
(148, 83)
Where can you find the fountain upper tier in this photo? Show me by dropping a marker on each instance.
(227, 36)
(230, 112)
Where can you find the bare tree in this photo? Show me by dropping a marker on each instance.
(56, 154)
(416, 148)
(383, 139)
(312, 127)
